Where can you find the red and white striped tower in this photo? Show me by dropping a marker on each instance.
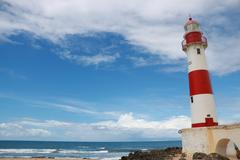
(201, 95)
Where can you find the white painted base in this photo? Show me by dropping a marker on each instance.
(207, 140)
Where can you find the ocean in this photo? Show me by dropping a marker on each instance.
(96, 150)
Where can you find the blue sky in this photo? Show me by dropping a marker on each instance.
(109, 71)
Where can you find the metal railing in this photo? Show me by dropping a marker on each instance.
(203, 42)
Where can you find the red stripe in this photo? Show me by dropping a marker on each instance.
(193, 37)
(208, 122)
(199, 82)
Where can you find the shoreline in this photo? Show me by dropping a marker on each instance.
(43, 158)
(170, 152)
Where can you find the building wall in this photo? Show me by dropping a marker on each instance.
(210, 139)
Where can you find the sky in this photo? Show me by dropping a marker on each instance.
(110, 70)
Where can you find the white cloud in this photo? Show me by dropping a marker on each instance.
(73, 106)
(45, 124)
(88, 60)
(128, 121)
(99, 58)
(38, 132)
(139, 61)
(154, 25)
(224, 54)
(16, 130)
(127, 127)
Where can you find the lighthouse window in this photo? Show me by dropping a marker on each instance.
(191, 99)
(198, 51)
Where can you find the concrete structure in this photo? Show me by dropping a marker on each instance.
(211, 140)
(205, 135)
(201, 94)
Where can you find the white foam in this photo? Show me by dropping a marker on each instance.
(48, 151)
(111, 158)
(43, 151)
(81, 152)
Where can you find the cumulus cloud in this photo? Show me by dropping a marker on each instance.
(153, 25)
(16, 130)
(126, 127)
(128, 121)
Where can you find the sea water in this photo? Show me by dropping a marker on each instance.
(96, 150)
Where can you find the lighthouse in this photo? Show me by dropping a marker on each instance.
(201, 94)
(205, 135)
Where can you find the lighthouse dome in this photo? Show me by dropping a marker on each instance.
(191, 25)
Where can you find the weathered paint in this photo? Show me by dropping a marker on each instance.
(210, 139)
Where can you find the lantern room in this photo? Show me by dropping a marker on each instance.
(191, 26)
(193, 34)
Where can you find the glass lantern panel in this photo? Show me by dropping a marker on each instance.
(195, 26)
(192, 27)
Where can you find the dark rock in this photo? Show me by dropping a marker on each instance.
(237, 151)
(199, 155)
(183, 155)
(211, 156)
(166, 154)
(124, 158)
(215, 156)
(238, 154)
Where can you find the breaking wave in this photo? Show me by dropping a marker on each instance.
(48, 151)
